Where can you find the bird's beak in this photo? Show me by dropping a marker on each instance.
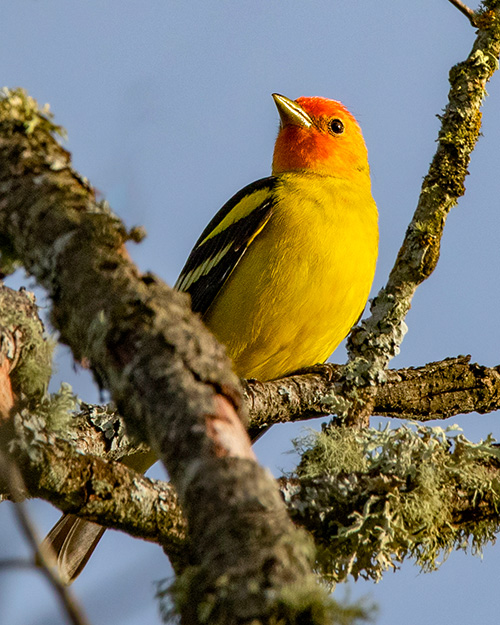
(291, 113)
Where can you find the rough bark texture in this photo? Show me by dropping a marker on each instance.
(98, 489)
(168, 376)
(25, 355)
(438, 390)
(360, 507)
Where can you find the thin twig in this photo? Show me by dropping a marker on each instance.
(13, 478)
(467, 11)
(17, 563)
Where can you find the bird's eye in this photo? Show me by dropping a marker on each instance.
(336, 126)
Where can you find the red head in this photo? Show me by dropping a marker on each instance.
(320, 136)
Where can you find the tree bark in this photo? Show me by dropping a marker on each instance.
(170, 379)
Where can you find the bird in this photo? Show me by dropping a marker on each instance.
(283, 270)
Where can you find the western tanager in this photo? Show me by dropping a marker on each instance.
(284, 269)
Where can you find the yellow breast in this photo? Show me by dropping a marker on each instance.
(304, 280)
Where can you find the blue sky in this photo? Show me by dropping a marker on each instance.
(168, 111)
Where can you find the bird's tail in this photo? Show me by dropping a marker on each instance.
(72, 541)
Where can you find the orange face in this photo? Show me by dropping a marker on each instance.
(320, 136)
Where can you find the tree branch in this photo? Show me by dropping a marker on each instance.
(374, 497)
(169, 378)
(377, 339)
(359, 505)
(98, 490)
(463, 8)
(10, 473)
(438, 390)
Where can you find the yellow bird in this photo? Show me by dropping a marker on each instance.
(283, 270)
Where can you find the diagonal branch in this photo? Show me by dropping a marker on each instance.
(467, 11)
(10, 473)
(373, 343)
(378, 339)
(170, 379)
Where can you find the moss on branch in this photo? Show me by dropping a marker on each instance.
(375, 497)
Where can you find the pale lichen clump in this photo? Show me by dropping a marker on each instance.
(381, 495)
(17, 105)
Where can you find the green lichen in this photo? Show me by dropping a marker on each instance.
(375, 497)
(297, 605)
(17, 106)
(320, 453)
(336, 404)
(30, 351)
(57, 408)
(33, 370)
(294, 604)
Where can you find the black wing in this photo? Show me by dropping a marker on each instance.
(224, 241)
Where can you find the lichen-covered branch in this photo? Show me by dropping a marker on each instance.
(369, 498)
(61, 453)
(374, 497)
(94, 488)
(170, 379)
(438, 390)
(377, 339)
